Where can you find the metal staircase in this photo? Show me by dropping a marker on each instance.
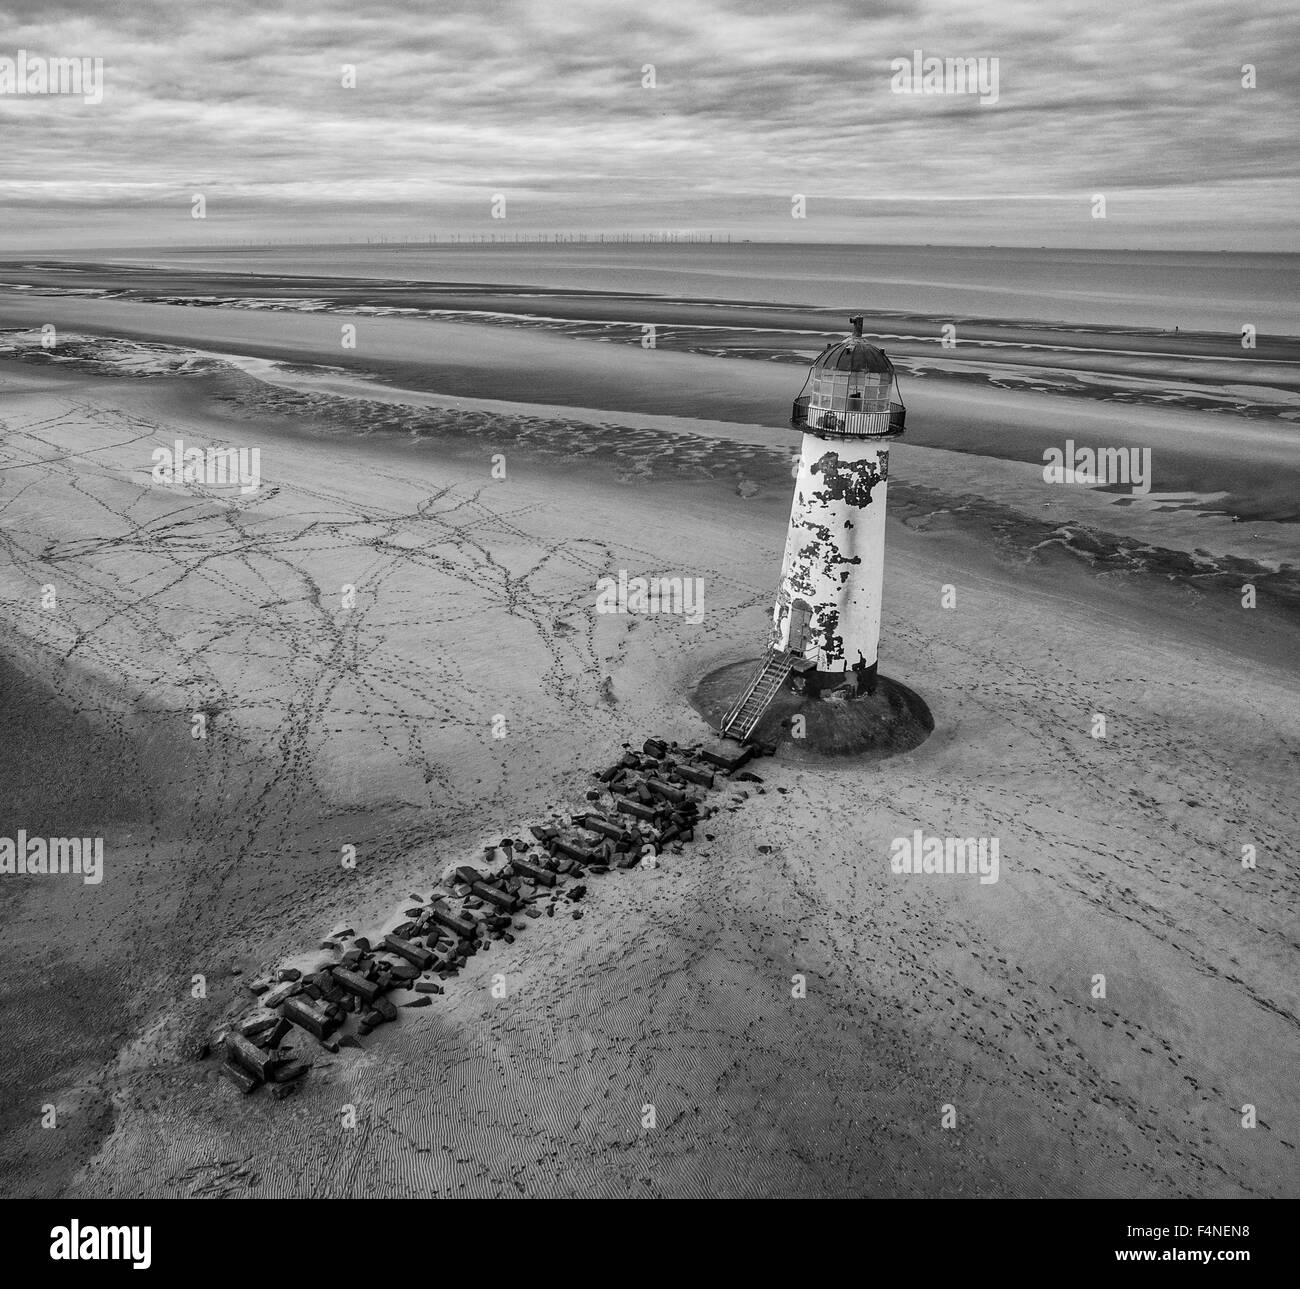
(743, 718)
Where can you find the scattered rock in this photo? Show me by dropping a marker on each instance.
(501, 899)
(418, 957)
(243, 1052)
(654, 800)
(280, 993)
(302, 1011)
(240, 1077)
(259, 1023)
(366, 990)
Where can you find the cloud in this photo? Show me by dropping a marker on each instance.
(543, 102)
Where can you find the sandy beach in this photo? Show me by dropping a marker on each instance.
(367, 720)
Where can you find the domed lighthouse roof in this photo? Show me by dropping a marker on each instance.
(852, 383)
(854, 354)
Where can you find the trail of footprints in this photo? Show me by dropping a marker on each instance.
(649, 800)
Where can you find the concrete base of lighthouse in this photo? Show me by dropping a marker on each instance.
(834, 686)
(873, 724)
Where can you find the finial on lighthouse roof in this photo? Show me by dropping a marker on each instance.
(853, 353)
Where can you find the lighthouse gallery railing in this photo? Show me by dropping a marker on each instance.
(888, 418)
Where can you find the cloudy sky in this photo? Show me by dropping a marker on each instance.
(546, 105)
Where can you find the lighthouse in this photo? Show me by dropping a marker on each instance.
(826, 618)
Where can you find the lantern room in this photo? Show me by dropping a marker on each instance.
(851, 396)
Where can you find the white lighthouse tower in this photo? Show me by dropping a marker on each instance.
(826, 620)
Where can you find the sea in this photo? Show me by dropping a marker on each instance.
(1190, 290)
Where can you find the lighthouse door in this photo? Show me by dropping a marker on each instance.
(800, 619)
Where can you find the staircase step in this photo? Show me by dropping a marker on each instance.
(744, 716)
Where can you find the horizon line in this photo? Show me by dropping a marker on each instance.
(617, 241)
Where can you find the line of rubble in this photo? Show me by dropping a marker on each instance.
(648, 801)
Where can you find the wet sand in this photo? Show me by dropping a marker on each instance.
(1220, 425)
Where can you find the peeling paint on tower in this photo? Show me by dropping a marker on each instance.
(826, 619)
(835, 547)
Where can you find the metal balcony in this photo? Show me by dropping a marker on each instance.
(883, 421)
